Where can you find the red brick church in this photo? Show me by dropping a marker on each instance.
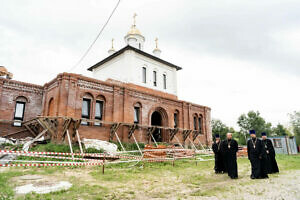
(130, 86)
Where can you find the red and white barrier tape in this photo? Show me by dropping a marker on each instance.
(51, 164)
(31, 153)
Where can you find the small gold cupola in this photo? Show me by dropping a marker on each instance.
(134, 37)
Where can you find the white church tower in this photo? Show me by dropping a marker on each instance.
(132, 64)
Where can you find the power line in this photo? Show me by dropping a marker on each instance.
(90, 47)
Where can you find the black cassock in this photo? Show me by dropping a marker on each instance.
(257, 157)
(229, 150)
(219, 163)
(270, 161)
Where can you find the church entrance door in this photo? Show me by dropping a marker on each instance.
(156, 120)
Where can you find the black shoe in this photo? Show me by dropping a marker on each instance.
(252, 177)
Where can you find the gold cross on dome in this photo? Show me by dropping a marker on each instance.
(156, 42)
(134, 16)
(112, 43)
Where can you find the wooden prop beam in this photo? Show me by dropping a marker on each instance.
(113, 131)
(178, 141)
(79, 141)
(173, 132)
(137, 144)
(30, 130)
(70, 144)
(192, 144)
(186, 133)
(132, 128)
(195, 134)
(45, 126)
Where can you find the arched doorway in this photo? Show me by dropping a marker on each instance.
(156, 120)
(51, 108)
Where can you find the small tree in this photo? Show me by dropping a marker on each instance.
(253, 120)
(279, 130)
(218, 127)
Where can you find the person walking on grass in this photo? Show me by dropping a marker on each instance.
(256, 154)
(230, 148)
(219, 163)
(270, 161)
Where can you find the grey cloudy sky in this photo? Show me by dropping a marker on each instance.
(237, 55)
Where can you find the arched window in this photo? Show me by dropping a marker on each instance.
(195, 122)
(144, 74)
(137, 113)
(165, 81)
(154, 78)
(86, 108)
(19, 111)
(51, 108)
(99, 109)
(176, 118)
(200, 123)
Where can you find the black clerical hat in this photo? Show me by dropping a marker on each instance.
(252, 132)
(217, 135)
(263, 134)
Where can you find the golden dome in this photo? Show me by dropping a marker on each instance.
(3, 69)
(134, 31)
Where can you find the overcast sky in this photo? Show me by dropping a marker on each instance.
(236, 55)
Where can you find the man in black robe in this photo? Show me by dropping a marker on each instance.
(256, 154)
(270, 161)
(219, 164)
(230, 148)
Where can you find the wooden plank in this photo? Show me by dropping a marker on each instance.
(173, 132)
(201, 144)
(70, 144)
(30, 130)
(35, 139)
(195, 134)
(9, 134)
(45, 126)
(178, 141)
(131, 130)
(150, 130)
(192, 143)
(79, 141)
(113, 130)
(137, 144)
(186, 133)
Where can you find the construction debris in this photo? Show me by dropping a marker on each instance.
(5, 141)
(43, 187)
(100, 145)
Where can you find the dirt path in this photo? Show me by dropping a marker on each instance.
(278, 187)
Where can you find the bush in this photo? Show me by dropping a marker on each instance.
(51, 147)
(93, 150)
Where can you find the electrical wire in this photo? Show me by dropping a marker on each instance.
(90, 47)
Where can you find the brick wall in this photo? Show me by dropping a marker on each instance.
(10, 92)
(63, 97)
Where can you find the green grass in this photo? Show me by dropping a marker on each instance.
(129, 146)
(143, 180)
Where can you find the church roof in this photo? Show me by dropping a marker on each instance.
(128, 47)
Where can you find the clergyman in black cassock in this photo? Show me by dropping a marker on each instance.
(219, 163)
(256, 154)
(230, 148)
(270, 161)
